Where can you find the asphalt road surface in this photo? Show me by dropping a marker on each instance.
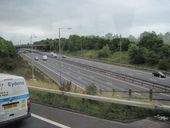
(143, 75)
(49, 117)
(83, 77)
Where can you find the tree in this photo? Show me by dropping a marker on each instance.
(136, 54)
(91, 89)
(166, 37)
(164, 51)
(109, 36)
(163, 64)
(150, 40)
(151, 57)
(104, 52)
(132, 38)
(114, 44)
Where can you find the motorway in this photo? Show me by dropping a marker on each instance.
(48, 117)
(83, 77)
(143, 75)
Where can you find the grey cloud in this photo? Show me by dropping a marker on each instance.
(19, 17)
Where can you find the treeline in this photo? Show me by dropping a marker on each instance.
(150, 48)
(76, 43)
(7, 55)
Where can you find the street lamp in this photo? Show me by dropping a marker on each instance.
(31, 42)
(59, 29)
(120, 49)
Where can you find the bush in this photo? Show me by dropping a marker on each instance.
(94, 108)
(136, 54)
(163, 64)
(151, 58)
(91, 89)
(8, 63)
(104, 52)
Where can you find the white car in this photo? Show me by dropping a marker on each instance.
(55, 55)
(52, 53)
(36, 58)
(63, 56)
(14, 99)
(44, 58)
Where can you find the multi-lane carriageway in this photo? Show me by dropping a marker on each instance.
(83, 77)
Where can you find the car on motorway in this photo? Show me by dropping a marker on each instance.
(44, 58)
(36, 58)
(63, 56)
(54, 55)
(159, 74)
(14, 99)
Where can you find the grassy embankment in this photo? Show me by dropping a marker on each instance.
(22, 68)
(104, 110)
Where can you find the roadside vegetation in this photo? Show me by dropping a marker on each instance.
(104, 110)
(12, 63)
(149, 50)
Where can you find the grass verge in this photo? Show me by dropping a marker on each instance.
(104, 110)
(24, 69)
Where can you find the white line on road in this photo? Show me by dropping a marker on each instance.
(55, 72)
(164, 94)
(108, 76)
(137, 93)
(151, 79)
(49, 121)
(108, 83)
(130, 74)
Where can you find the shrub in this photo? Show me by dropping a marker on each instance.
(91, 89)
(104, 52)
(163, 64)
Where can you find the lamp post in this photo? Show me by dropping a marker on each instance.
(120, 49)
(59, 35)
(31, 42)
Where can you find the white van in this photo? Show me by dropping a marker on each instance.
(14, 99)
(44, 58)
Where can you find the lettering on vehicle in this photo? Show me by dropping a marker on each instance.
(14, 84)
(2, 94)
(1, 86)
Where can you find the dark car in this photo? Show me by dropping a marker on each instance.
(159, 74)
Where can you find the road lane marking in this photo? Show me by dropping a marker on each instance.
(55, 72)
(108, 83)
(165, 94)
(151, 79)
(49, 121)
(137, 93)
(96, 73)
(130, 74)
(91, 76)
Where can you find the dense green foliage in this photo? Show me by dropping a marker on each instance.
(91, 89)
(136, 54)
(104, 52)
(6, 48)
(7, 53)
(149, 49)
(99, 109)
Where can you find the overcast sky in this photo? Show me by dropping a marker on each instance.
(21, 18)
